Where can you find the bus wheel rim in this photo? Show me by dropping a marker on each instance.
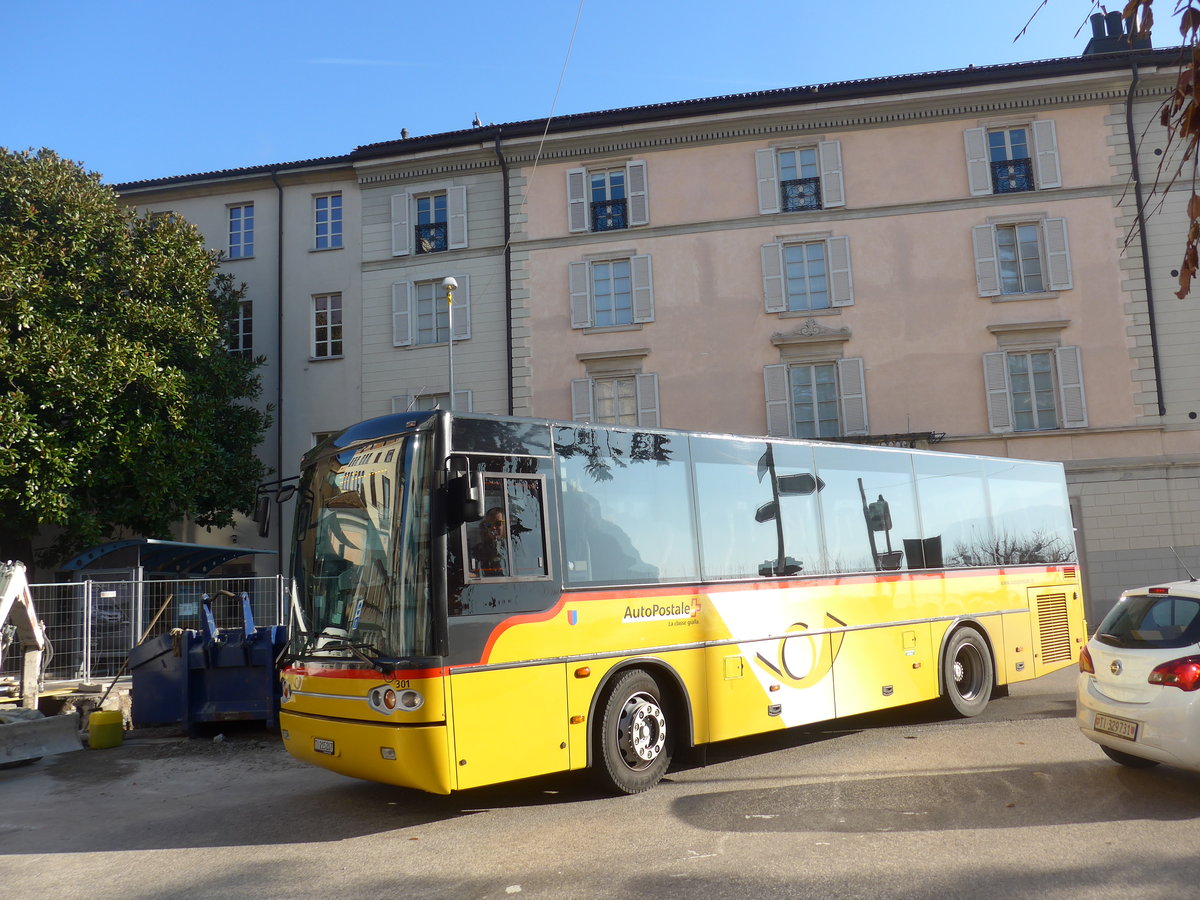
(641, 731)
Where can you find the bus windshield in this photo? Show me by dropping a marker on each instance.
(362, 550)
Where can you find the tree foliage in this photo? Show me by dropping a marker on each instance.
(121, 408)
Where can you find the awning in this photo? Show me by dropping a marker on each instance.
(167, 557)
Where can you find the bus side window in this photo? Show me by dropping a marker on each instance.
(510, 540)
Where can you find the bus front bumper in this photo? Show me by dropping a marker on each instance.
(412, 756)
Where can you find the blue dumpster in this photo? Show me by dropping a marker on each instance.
(212, 675)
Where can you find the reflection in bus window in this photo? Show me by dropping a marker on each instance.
(626, 506)
(1030, 515)
(953, 502)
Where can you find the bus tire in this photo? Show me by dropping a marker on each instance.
(967, 672)
(634, 737)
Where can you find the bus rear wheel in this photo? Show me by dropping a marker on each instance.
(634, 739)
(967, 672)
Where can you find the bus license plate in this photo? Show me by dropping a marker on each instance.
(1121, 728)
(321, 745)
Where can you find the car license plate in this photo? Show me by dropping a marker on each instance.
(321, 745)
(1121, 728)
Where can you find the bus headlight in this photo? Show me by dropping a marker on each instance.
(385, 700)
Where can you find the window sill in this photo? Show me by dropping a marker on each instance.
(236, 258)
(608, 329)
(1040, 295)
(323, 249)
(317, 359)
(805, 313)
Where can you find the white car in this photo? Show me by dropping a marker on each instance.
(1139, 678)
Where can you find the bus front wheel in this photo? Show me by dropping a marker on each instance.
(634, 738)
(967, 672)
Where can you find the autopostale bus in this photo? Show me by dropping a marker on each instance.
(481, 599)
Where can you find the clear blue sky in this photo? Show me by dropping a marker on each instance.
(144, 89)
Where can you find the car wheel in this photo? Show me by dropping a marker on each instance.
(967, 672)
(634, 737)
(1128, 759)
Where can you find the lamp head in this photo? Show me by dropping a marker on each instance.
(449, 284)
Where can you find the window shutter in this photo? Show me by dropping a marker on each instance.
(579, 278)
(402, 314)
(577, 206)
(768, 181)
(456, 218)
(462, 401)
(772, 269)
(643, 288)
(832, 191)
(841, 288)
(987, 268)
(462, 309)
(1070, 383)
(401, 235)
(1045, 154)
(979, 173)
(581, 399)
(1058, 254)
(639, 199)
(999, 401)
(402, 403)
(775, 388)
(852, 386)
(647, 399)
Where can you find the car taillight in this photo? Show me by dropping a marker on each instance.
(1181, 673)
(1085, 662)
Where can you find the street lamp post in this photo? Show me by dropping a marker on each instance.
(450, 284)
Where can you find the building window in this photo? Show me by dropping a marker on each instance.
(1022, 257)
(607, 199)
(807, 275)
(241, 330)
(241, 231)
(817, 399)
(1034, 390)
(436, 399)
(611, 292)
(421, 316)
(1012, 158)
(327, 326)
(328, 221)
(616, 400)
(429, 222)
(800, 179)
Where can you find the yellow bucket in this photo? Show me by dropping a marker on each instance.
(106, 729)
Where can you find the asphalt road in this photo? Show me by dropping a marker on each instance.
(1014, 803)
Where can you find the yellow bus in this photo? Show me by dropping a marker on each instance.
(481, 599)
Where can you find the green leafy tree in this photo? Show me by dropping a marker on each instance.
(121, 409)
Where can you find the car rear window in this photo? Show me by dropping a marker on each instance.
(1152, 620)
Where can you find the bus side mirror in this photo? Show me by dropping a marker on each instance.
(262, 514)
(466, 496)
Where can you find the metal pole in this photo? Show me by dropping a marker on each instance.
(450, 284)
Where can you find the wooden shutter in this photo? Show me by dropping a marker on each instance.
(775, 388)
(462, 309)
(772, 273)
(768, 181)
(579, 283)
(987, 267)
(402, 316)
(462, 401)
(999, 401)
(1045, 154)
(979, 173)
(841, 287)
(401, 234)
(647, 399)
(833, 193)
(643, 288)
(1070, 383)
(852, 390)
(401, 403)
(1058, 254)
(577, 205)
(456, 218)
(581, 399)
(638, 198)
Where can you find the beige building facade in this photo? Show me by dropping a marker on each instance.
(950, 259)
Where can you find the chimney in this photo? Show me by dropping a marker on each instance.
(1109, 36)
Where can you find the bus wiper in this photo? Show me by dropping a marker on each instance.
(357, 651)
